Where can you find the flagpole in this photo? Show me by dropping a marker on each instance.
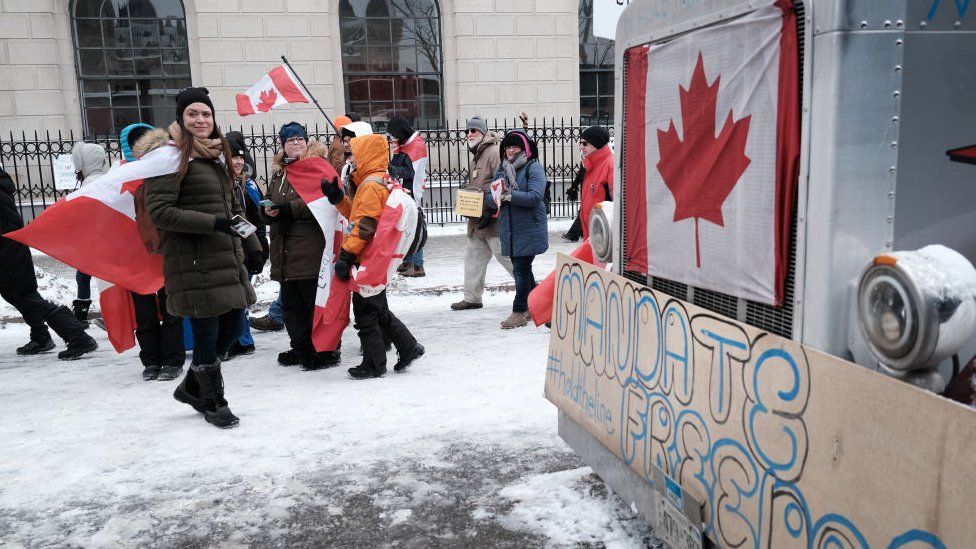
(293, 71)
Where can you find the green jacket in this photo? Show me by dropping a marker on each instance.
(204, 270)
(297, 241)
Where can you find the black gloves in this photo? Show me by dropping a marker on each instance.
(223, 225)
(343, 265)
(332, 190)
(487, 218)
(572, 193)
(254, 263)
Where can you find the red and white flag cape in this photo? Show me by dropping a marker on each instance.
(333, 296)
(276, 88)
(392, 240)
(416, 149)
(94, 230)
(712, 146)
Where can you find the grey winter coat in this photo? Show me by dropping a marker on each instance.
(522, 222)
(89, 159)
(204, 270)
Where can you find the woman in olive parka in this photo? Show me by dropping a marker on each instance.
(205, 262)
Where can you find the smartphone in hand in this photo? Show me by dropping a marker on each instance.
(242, 227)
(268, 204)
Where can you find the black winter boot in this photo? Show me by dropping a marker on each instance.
(289, 358)
(35, 348)
(406, 358)
(80, 308)
(215, 408)
(169, 372)
(318, 361)
(188, 391)
(150, 372)
(64, 323)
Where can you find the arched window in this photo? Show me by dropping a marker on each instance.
(391, 60)
(131, 58)
(596, 71)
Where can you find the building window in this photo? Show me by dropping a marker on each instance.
(596, 71)
(391, 60)
(131, 58)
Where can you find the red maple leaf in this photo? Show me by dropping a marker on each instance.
(701, 170)
(268, 99)
(131, 187)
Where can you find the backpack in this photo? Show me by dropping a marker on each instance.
(152, 236)
(419, 235)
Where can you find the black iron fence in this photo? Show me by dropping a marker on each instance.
(29, 159)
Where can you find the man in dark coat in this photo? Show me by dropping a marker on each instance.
(18, 286)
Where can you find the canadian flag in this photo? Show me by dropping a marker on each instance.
(416, 149)
(394, 235)
(94, 230)
(276, 88)
(333, 296)
(712, 149)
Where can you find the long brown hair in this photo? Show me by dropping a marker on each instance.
(186, 150)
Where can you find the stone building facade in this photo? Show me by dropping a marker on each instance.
(493, 57)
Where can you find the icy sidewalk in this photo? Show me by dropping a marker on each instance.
(461, 450)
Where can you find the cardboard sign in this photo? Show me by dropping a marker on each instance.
(64, 173)
(469, 203)
(784, 446)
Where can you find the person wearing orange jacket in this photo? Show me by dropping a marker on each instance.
(598, 180)
(363, 209)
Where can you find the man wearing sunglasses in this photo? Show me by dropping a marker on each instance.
(483, 241)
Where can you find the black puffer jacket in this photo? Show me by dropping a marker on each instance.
(204, 270)
(16, 265)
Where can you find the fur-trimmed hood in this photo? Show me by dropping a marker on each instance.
(315, 148)
(149, 142)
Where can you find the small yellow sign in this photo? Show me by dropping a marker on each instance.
(469, 203)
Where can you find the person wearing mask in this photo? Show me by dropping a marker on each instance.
(597, 183)
(159, 333)
(246, 192)
(91, 162)
(411, 143)
(483, 242)
(374, 320)
(522, 217)
(297, 245)
(205, 261)
(18, 286)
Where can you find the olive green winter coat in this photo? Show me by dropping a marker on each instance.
(204, 270)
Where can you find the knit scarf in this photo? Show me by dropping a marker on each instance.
(202, 148)
(514, 166)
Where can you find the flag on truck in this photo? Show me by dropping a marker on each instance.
(712, 149)
(276, 88)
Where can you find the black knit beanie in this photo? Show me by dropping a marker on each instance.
(192, 95)
(399, 128)
(598, 136)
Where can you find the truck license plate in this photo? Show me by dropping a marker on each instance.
(674, 528)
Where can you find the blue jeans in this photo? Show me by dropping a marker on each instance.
(277, 312)
(416, 259)
(213, 336)
(246, 338)
(84, 285)
(524, 282)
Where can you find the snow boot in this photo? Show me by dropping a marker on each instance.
(319, 361)
(169, 372)
(215, 408)
(515, 320)
(402, 267)
(266, 324)
(150, 372)
(414, 271)
(80, 308)
(361, 372)
(408, 357)
(76, 350)
(188, 391)
(289, 358)
(35, 348)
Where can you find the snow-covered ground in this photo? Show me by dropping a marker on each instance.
(461, 450)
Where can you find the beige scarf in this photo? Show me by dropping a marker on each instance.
(202, 148)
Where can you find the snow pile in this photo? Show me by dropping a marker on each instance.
(572, 507)
(939, 271)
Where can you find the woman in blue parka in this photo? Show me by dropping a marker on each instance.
(522, 221)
